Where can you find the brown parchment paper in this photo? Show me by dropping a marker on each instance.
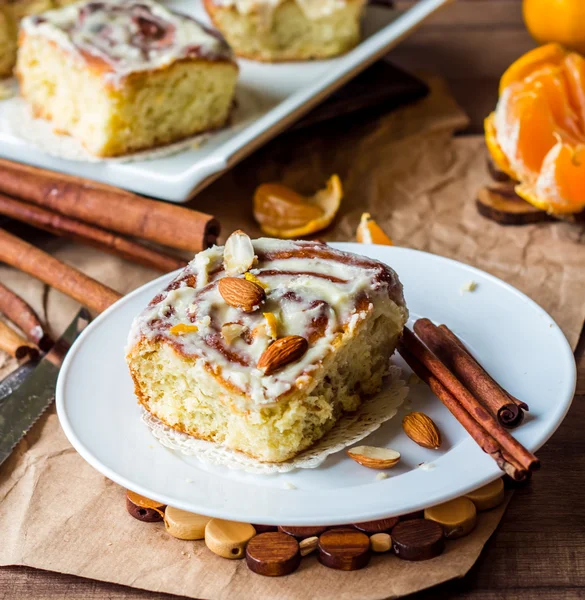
(58, 513)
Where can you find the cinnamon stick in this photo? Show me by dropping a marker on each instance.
(109, 207)
(14, 344)
(43, 266)
(511, 446)
(450, 349)
(88, 234)
(483, 439)
(24, 317)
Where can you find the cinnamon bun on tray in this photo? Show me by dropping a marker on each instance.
(125, 75)
(262, 345)
(282, 30)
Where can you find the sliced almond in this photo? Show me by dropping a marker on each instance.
(238, 253)
(182, 329)
(271, 324)
(232, 331)
(240, 293)
(374, 458)
(421, 429)
(282, 352)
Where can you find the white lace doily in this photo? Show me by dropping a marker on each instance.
(347, 431)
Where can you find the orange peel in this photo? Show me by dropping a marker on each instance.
(282, 212)
(369, 232)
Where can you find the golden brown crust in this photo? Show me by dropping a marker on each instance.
(212, 10)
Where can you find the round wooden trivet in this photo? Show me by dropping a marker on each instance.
(417, 539)
(302, 532)
(228, 538)
(501, 204)
(144, 509)
(264, 528)
(273, 554)
(380, 542)
(380, 526)
(344, 549)
(185, 525)
(457, 517)
(488, 496)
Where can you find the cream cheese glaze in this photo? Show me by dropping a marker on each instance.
(127, 35)
(313, 9)
(313, 291)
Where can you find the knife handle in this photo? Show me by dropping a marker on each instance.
(28, 258)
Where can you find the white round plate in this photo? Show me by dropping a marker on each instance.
(517, 342)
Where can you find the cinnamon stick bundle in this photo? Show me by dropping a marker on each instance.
(475, 430)
(14, 344)
(509, 445)
(448, 347)
(88, 234)
(43, 266)
(109, 207)
(24, 317)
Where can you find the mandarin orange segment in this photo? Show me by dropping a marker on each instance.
(537, 132)
(282, 212)
(548, 55)
(369, 232)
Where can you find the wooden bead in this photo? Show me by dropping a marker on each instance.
(488, 496)
(302, 532)
(228, 538)
(417, 539)
(185, 525)
(143, 508)
(264, 528)
(457, 517)
(380, 542)
(309, 545)
(273, 554)
(344, 549)
(380, 526)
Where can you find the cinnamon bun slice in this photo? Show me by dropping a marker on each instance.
(263, 345)
(284, 30)
(125, 75)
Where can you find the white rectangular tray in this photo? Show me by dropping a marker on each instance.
(270, 97)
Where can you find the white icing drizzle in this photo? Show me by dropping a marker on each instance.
(314, 291)
(313, 9)
(127, 35)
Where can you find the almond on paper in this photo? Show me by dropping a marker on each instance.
(421, 429)
(373, 457)
(240, 293)
(238, 253)
(282, 352)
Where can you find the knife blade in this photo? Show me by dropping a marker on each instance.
(24, 405)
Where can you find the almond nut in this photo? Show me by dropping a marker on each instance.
(238, 253)
(241, 293)
(308, 545)
(422, 430)
(374, 458)
(282, 352)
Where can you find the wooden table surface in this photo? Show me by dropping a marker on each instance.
(539, 549)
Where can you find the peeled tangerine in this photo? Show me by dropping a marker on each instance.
(282, 212)
(537, 133)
